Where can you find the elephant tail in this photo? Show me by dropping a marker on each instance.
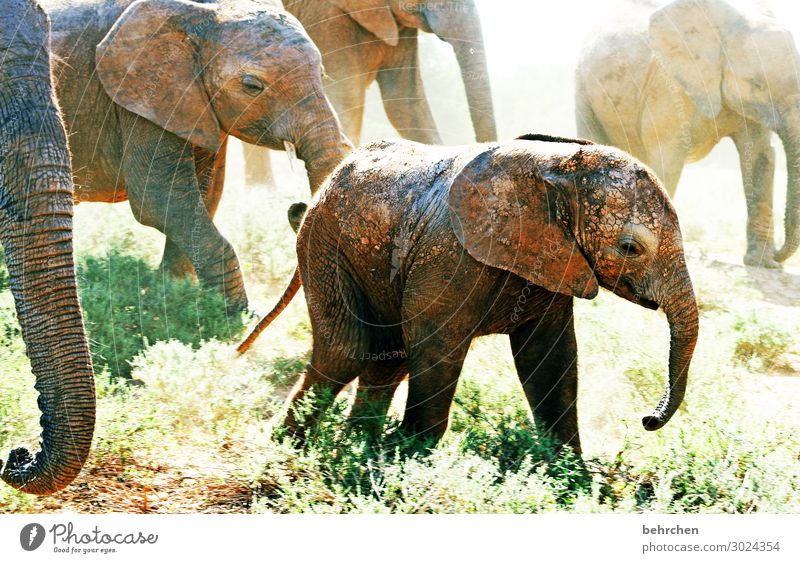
(283, 302)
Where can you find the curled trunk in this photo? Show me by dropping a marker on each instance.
(681, 310)
(791, 144)
(36, 213)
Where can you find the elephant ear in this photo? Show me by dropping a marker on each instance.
(373, 15)
(687, 37)
(508, 216)
(146, 63)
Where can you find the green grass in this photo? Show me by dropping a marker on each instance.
(760, 345)
(129, 305)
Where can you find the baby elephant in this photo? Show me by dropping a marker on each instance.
(411, 251)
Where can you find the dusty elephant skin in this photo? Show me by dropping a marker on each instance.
(363, 41)
(36, 232)
(411, 251)
(668, 89)
(152, 89)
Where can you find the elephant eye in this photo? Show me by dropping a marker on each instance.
(251, 85)
(630, 248)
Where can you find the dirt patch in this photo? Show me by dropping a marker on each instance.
(139, 486)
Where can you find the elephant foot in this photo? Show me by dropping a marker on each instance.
(762, 258)
(239, 307)
(177, 265)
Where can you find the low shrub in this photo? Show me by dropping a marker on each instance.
(760, 344)
(129, 305)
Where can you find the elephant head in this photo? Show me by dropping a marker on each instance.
(456, 22)
(739, 61)
(36, 193)
(572, 221)
(202, 71)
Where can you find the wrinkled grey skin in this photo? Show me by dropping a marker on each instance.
(411, 251)
(36, 232)
(366, 41)
(668, 85)
(152, 89)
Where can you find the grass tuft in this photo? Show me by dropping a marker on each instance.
(128, 305)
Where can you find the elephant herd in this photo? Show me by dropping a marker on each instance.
(408, 250)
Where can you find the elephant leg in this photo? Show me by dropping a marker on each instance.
(404, 96)
(376, 388)
(545, 355)
(325, 377)
(662, 144)
(588, 126)
(434, 363)
(159, 171)
(348, 96)
(667, 161)
(340, 345)
(257, 165)
(757, 162)
(210, 172)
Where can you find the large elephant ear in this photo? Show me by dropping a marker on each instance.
(508, 216)
(146, 63)
(687, 37)
(373, 15)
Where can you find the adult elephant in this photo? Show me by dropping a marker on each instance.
(152, 89)
(667, 89)
(36, 232)
(363, 41)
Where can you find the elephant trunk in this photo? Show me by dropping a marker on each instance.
(36, 195)
(791, 145)
(459, 24)
(681, 310)
(322, 145)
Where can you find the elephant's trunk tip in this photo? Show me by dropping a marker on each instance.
(17, 459)
(786, 252)
(653, 422)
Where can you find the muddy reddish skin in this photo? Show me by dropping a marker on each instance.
(411, 251)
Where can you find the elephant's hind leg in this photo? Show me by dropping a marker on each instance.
(339, 350)
(377, 385)
(316, 391)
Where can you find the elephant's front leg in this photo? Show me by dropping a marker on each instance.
(348, 93)
(403, 93)
(545, 354)
(159, 170)
(435, 362)
(757, 161)
(210, 173)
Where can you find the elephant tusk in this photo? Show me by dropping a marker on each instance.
(347, 145)
(291, 151)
